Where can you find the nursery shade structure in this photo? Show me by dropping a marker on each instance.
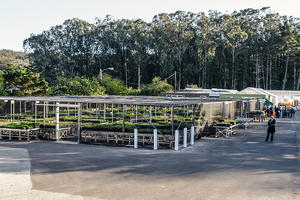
(167, 113)
(76, 102)
(129, 100)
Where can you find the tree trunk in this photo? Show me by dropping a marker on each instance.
(295, 74)
(203, 76)
(139, 76)
(263, 72)
(232, 70)
(179, 70)
(257, 72)
(286, 69)
(126, 74)
(298, 84)
(225, 68)
(267, 73)
(270, 65)
(199, 76)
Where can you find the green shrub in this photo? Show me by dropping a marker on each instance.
(192, 86)
(18, 126)
(156, 87)
(114, 86)
(79, 85)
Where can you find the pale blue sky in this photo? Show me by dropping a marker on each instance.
(20, 18)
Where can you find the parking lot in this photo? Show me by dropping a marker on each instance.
(240, 167)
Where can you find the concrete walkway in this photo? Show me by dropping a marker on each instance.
(242, 167)
(15, 183)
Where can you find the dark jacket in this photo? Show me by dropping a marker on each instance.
(271, 126)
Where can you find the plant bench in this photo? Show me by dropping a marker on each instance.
(115, 137)
(19, 133)
(226, 131)
(50, 133)
(244, 122)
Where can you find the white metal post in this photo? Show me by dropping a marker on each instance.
(176, 140)
(57, 120)
(44, 114)
(135, 138)
(79, 123)
(155, 139)
(14, 108)
(112, 113)
(150, 116)
(192, 135)
(185, 137)
(104, 112)
(136, 114)
(35, 113)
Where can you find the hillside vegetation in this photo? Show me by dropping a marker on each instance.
(15, 58)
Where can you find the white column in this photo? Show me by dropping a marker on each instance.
(136, 114)
(79, 123)
(104, 112)
(57, 120)
(150, 112)
(112, 113)
(176, 140)
(135, 138)
(155, 139)
(44, 114)
(192, 135)
(185, 137)
(35, 113)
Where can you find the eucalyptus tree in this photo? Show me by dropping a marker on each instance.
(139, 45)
(205, 42)
(40, 52)
(252, 47)
(174, 30)
(289, 44)
(121, 45)
(236, 36)
(104, 46)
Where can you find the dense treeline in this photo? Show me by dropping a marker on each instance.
(252, 47)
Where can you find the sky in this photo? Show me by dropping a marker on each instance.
(21, 18)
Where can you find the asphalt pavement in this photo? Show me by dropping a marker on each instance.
(240, 167)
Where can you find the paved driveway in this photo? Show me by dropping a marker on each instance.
(243, 167)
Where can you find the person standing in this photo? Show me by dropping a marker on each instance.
(271, 129)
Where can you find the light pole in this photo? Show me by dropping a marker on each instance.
(101, 72)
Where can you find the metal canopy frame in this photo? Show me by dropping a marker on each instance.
(77, 102)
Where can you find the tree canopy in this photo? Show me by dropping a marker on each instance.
(20, 81)
(251, 47)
